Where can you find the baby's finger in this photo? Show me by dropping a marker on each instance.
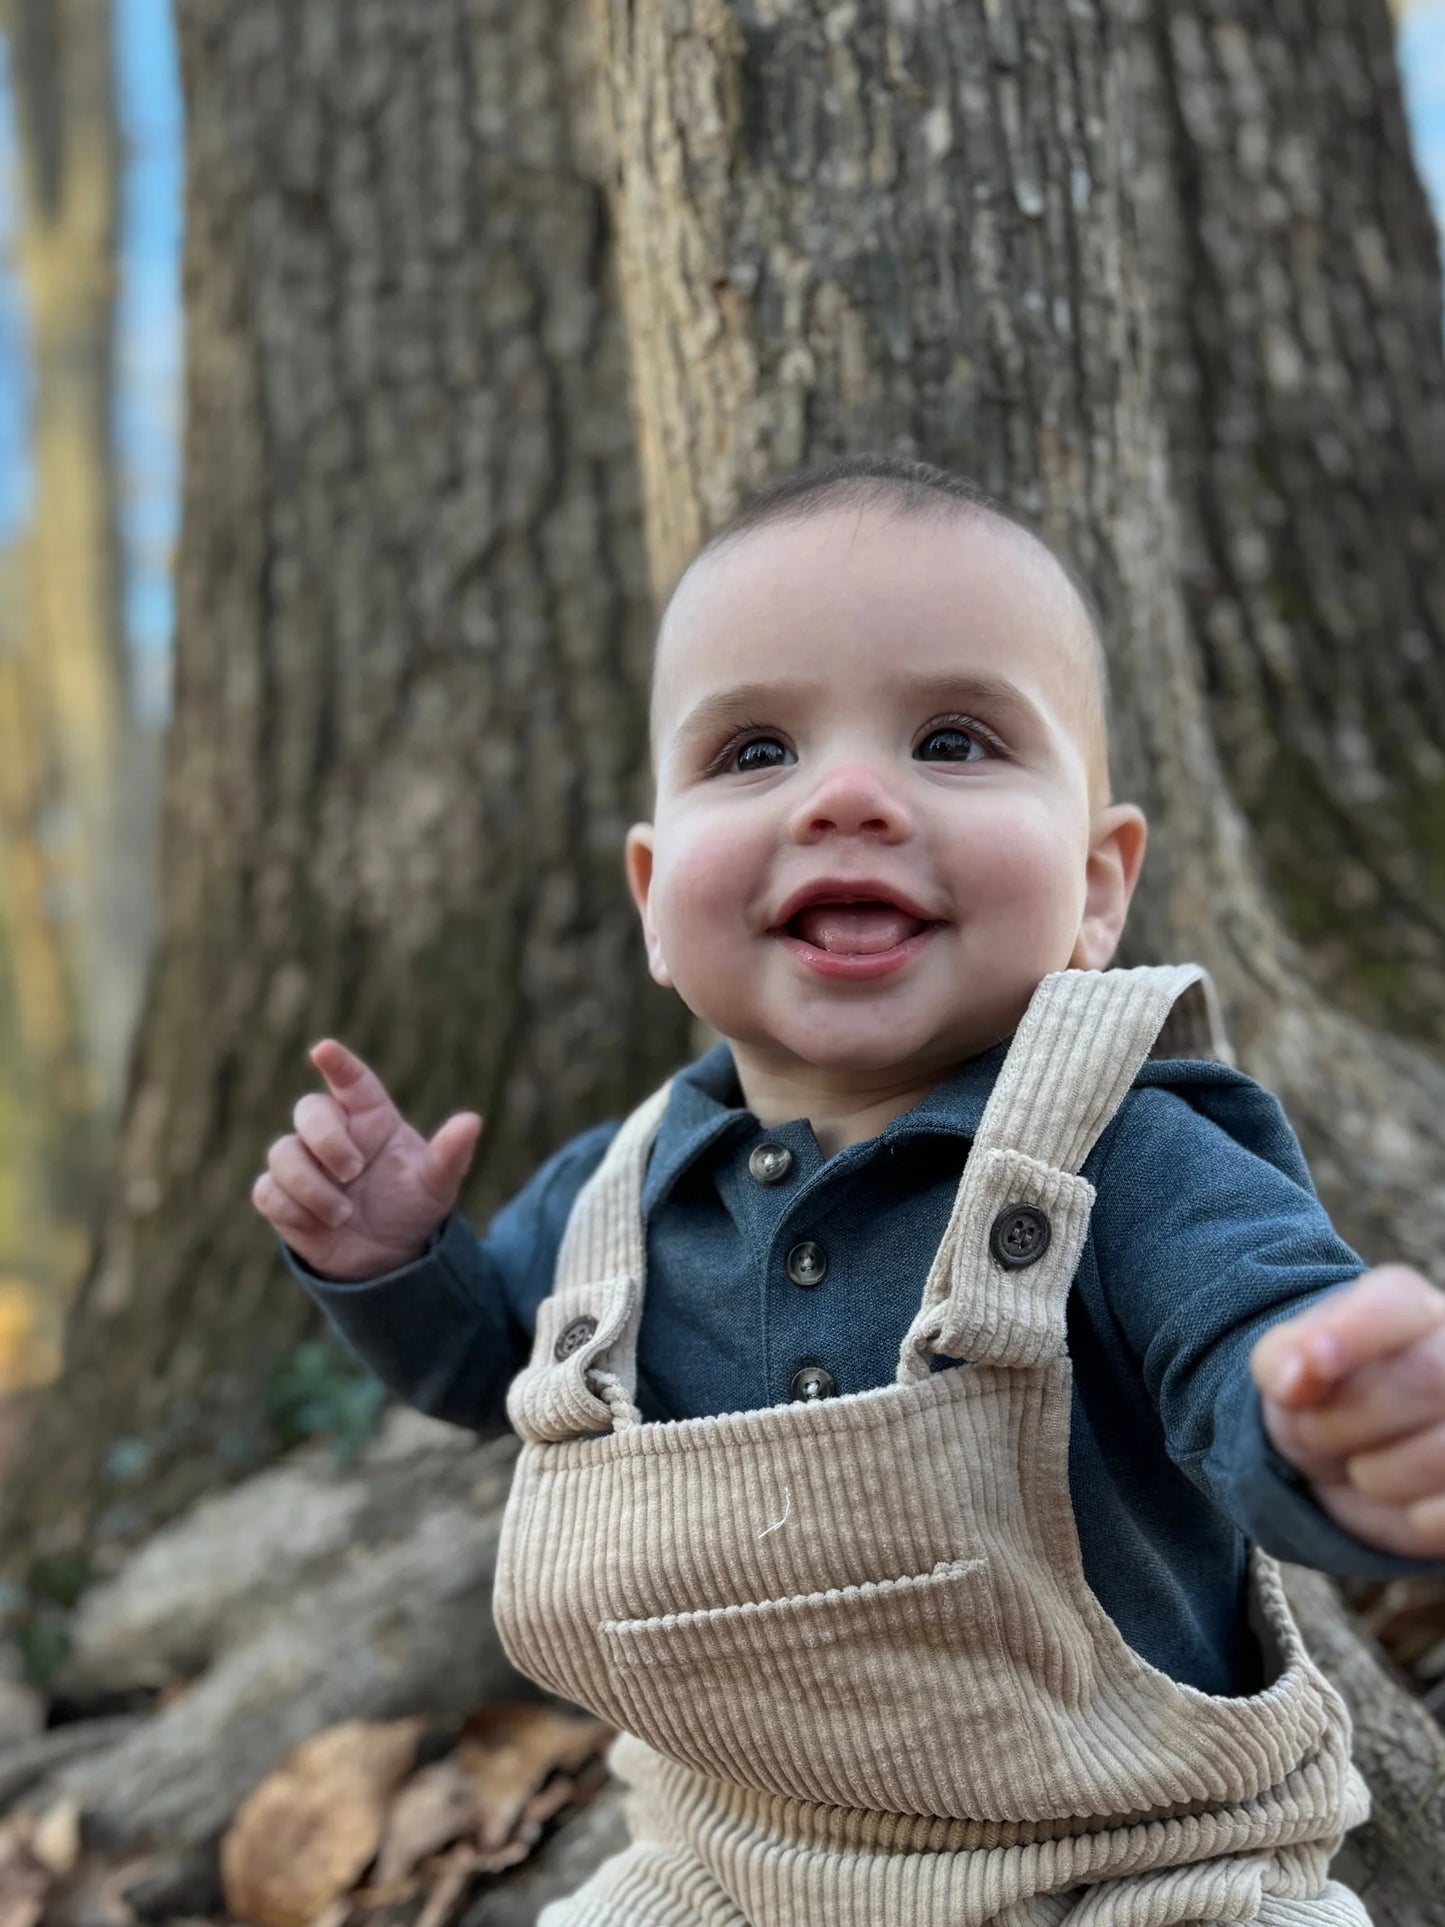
(450, 1152)
(1388, 1399)
(1414, 1532)
(282, 1212)
(302, 1179)
(357, 1089)
(1411, 1468)
(322, 1128)
(1283, 1428)
(1300, 1361)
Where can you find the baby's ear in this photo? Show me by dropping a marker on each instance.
(638, 861)
(1116, 855)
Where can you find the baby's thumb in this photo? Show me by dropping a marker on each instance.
(450, 1152)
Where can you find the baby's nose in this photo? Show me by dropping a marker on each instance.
(852, 800)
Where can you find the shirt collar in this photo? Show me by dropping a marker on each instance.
(705, 1105)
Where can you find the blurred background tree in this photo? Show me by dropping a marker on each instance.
(407, 734)
(76, 762)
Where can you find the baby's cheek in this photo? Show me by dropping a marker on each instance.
(702, 887)
(1034, 876)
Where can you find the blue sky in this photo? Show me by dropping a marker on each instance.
(149, 346)
(148, 327)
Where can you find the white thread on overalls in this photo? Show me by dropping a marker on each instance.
(787, 1509)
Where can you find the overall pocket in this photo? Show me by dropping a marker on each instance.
(831, 1696)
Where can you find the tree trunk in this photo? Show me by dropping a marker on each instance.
(924, 234)
(991, 235)
(408, 732)
(1303, 391)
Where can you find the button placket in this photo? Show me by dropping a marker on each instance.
(791, 1310)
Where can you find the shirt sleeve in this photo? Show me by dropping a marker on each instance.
(1204, 1238)
(448, 1332)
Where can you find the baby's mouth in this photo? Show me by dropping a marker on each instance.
(854, 929)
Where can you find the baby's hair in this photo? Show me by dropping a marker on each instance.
(871, 481)
(854, 481)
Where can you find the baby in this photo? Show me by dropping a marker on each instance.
(923, 1383)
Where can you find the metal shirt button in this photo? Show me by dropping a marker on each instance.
(573, 1337)
(812, 1382)
(770, 1163)
(1020, 1235)
(807, 1263)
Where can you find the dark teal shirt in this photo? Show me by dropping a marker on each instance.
(1206, 1231)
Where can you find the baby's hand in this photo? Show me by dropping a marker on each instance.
(1354, 1395)
(356, 1191)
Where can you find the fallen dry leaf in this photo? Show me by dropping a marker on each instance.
(445, 1899)
(335, 1914)
(95, 1895)
(312, 1827)
(560, 1791)
(509, 1749)
(25, 1882)
(55, 1838)
(19, 1909)
(15, 1835)
(436, 1806)
(38, 1851)
(1407, 1616)
(99, 1894)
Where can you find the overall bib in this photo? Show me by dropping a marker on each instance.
(860, 1676)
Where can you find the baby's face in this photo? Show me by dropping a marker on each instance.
(880, 801)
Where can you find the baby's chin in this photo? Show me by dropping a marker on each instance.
(843, 1050)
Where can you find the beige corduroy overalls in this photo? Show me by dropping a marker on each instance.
(860, 1676)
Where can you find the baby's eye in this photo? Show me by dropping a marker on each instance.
(762, 752)
(953, 744)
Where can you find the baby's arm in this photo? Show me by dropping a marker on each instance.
(443, 1319)
(1206, 1238)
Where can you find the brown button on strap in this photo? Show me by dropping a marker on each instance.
(806, 1264)
(770, 1163)
(812, 1382)
(1020, 1235)
(573, 1337)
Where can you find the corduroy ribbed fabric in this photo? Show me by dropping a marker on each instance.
(859, 1672)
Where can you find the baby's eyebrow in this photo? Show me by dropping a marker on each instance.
(995, 694)
(752, 701)
(736, 705)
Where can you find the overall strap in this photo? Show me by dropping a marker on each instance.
(998, 1286)
(583, 1372)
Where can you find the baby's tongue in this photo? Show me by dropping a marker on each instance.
(862, 927)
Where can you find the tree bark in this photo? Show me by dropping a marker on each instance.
(1303, 393)
(408, 734)
(929, 231)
